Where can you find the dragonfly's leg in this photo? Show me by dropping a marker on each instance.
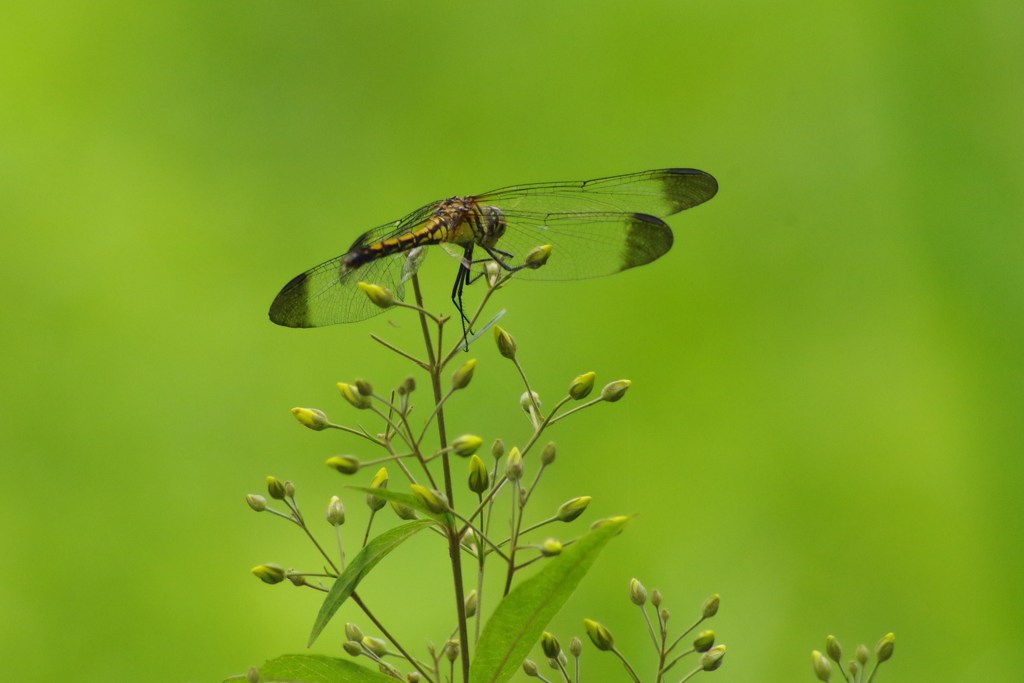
(499, 257)
(460, 281)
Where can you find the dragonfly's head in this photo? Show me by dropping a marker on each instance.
(492, 225)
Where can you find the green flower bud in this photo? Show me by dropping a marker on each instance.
(710, 608)
(353, 397)
(498, 448)
(656, 597)
(551, 547)
(375, 645)
(833, 649)
(413, 677)
(885, 646)
(346, 464)
(408, 385)
(613, 391)
(311, 418)
(289, 489)
(275, 487)
(572, 508)
(664, 614)
(854, 667)
(863, 654)
(380, 296)
(466, 445)
(514, 465)
(637, 593)
(575, 646)
(549, 644)
(471, 603)
(547, 456)
(379, 481)
(364, 388)
(252, 675)
(704, 641)
(403, 511)
(581, 387)
(526, 403)
(506, 344)
(335, 512)
(434, 500)
(537, 256)
(451, 650)
(353, 633)
(822, 667)
(529, 667)
(712, 659)
(268, 573)
(462, 376)
(297, 580)
(599, 635)
(479, 479)
(256, 502)
(353, 648)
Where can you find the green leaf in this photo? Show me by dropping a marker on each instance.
(519, 621)
(406, 499)
(360, 566)
(315, 669)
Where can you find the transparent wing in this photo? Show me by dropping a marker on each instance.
(328, 294)
(583, 245)
(657, 193)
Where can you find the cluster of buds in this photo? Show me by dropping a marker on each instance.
(856, 667)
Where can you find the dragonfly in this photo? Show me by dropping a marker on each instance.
(584, 229)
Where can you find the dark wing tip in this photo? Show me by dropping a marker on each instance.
(689, 187)
(290, 305)
(647, 238)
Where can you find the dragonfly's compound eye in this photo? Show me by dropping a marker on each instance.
(493, 222)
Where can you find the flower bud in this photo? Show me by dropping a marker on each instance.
(298, 580)
(637, 593)
(514, 465)
(528, 400)
(530, 667)
(433, 500)
(256, 502)
(479, 479)
(656, 597)
(275, 487)
(710, 607)
(549, 644)
(403, 511)
(451, 650)
(471, 603)
(599, 635)
(581, 387)
(363, 387)
(381, 296)
(575, 646)
(492, 271)
(537, 256)
(498, 448)
(712, 659)
(353, 648)
(466, 445)
(268, 573)
(462, 376)
(506, 344)
(335, 512)
(833, 649)
(375, 645)
(413, 677)
(408, 385)
(547, 456)
(252, 675)
(704, 641)
(822, 667)
(863, 654)
(885, 646)
(572, 508)
(311, 418)
(353, 397)
(289, 489)
(551, 547)
(379, 481)
(854, 666)
(346, 464)
(353, 633)
(664, 614)
(613, 391)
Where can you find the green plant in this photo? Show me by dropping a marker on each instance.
(450, 491)
(856, 668)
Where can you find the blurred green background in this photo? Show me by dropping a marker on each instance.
(825, 424)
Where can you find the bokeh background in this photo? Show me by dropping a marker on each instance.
(827, 417)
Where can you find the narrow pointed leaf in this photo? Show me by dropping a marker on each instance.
(360, 566)
(519, 621)
(315, 669)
